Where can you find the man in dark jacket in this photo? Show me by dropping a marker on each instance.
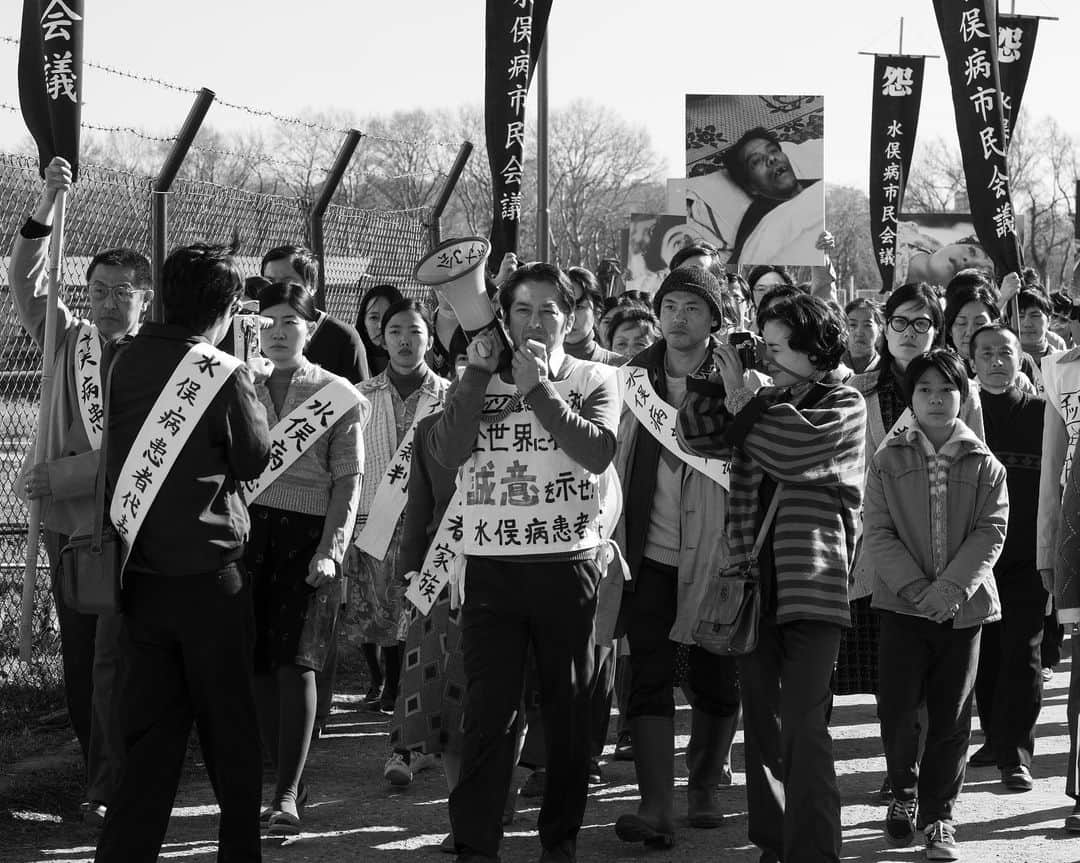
(188, 615)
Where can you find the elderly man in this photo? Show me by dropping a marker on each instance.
(119, 287)
(781, 224)
(532, 441)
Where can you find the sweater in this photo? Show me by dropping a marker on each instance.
(590, 350)
(817, 455)
(337, 348)
(1014, 428)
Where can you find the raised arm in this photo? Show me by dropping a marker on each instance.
(587, 436)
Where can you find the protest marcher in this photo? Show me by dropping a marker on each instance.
(400, 396)
(1008, 689)
(1036, 339)
(120, 292)
(581, 343)
(1065, 581)
(633, 330)
(933, 589)
(865, 324)
(672, 548)
(188, 616)
(1062, 322)
(335, 346)
(528, 583)
(763, 278)
(302, 518)
(802, 439)
(373, 305)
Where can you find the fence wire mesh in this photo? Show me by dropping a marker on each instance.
(108, 209)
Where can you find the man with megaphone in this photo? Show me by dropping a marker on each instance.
(530, 439)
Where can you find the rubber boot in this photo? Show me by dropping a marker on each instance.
(654, 761)
(706, 754)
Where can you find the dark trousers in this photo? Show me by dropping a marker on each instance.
(1072, 780)
(650, 612)
(508, 608)
(189, 654)
(919, 660)
(791, 791)
(1008, 686)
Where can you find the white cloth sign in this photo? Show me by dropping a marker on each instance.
(657, 417)
(522, 494)
(904, 423)
(87, 362)
(295, 433)
(393, 491)
(187, 394)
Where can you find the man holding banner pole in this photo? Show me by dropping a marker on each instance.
(60, 482)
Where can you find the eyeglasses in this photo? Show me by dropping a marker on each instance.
(898, 324)
(122, 293)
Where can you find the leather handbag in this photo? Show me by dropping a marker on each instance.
(91, 563)
(731, 609)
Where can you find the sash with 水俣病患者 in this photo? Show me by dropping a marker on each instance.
(392, 493)
(183, 400)
(296, 432)
(87, 367)
(657, 417)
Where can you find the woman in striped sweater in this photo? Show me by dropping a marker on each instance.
(802, 439)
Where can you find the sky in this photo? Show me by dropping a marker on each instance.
(637, 57)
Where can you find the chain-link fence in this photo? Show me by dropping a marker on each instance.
(108, 209)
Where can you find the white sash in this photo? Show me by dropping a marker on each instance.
(183, 400)
(393, 490)
(657, 417)
(87, 363)
(298, 430)
(904, 423)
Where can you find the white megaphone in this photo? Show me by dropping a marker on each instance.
(456, 270)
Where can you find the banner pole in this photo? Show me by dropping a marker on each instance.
(33, 537)
(901, 51)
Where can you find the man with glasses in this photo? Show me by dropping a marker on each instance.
(120, 292)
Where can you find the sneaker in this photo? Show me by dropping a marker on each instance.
(1047, 675)
(1072, 822)
(941, 842)
(624, 747)
(386, 701)
(374, 693)
(726, 779)
(422, 761)
(900, 822)
(596, 775)
(984, 757)
(884, 794)
(536, 783)
(1017, 778)
(397, 770)
(93, 812)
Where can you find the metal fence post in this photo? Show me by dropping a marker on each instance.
(159, 206)
(318, 210)
(433, 226)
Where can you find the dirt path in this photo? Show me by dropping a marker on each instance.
(353, 815)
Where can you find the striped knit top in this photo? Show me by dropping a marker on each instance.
(817, 453)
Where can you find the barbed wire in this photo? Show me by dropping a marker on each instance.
(236, 106)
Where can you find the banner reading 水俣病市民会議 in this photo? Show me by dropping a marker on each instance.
(50, 77)
(898, 81)
(970, 37)
(514, 33)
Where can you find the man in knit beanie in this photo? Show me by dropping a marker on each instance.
(697, 281)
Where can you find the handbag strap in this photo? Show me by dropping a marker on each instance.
(766, 524)
(99, 483)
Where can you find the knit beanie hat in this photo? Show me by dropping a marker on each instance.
(693, 280)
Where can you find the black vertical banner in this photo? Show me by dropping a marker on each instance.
(50, 77)
(1016, 45)
(969, 34)
(514, 34)
(898, 83)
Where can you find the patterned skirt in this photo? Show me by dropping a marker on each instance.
(376, 594)
(294, 622)
(857, 662)
(430, 712)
